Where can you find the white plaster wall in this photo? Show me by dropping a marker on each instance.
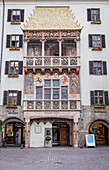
(37, 140)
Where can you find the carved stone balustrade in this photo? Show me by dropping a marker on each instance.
(51, 105)
(51, 61)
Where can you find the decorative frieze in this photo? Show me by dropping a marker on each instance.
(69, 34)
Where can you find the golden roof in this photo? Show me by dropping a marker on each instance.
(52, 18)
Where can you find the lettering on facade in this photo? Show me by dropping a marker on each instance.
(99, 111)
(12, 112)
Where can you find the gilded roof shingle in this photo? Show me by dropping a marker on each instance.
(52, 18)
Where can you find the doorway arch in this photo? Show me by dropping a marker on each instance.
(100, 128)
(13, 131)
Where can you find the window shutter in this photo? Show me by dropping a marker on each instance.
(8, 41)
(90, 67)
(20, 41)
(104, 68)
(19, 97)
(5, 98)
(6, 67)
(90, 40)
(88, 14)
(92, 97)
(106, 97)
(9, 15)
(20, 67)
(22, 15)
(103, 41)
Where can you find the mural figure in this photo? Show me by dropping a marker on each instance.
(74, 83)
(29, 84)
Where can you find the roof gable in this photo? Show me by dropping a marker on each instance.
(52, 18)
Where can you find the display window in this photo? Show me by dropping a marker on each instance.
(99, 131)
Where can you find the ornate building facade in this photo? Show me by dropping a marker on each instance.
(54, 76)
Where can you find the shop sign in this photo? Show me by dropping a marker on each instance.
(37, 129)
(12, 112)
(90, 140)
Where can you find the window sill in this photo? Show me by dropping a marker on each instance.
(99, 106)
(15, 23)
(14, 49)
(13, 76)
(97, 49)
(95, 22)
(11, 106)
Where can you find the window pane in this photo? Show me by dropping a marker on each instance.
(18, 12)
(47, 94)
(17, 38)
(38, 92)
(64, 92)
(14, 12)
(55, 93)
(55, 83)
(13, 37)
(93, 11)
(17, 44)
(16, 64)
(97, 11)
(47, 83)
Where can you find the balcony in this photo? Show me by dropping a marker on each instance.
(51, 61)
(51, 105)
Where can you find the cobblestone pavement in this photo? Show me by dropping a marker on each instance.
(57, 158)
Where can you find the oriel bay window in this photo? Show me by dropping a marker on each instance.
(51, 48)
(52, 91)
(52, 95)
(34, 49)
(68, 48)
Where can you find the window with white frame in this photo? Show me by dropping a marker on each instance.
(52, 90)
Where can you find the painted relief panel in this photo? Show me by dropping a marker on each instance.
(29, 84)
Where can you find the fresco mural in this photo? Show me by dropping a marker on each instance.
(72, 81)
(74, 84)
(29, 84)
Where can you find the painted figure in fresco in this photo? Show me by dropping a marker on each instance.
(29, 83)
(74, 83)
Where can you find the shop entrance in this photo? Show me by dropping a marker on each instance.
(101, 133)
(60, 134)
(14, 134)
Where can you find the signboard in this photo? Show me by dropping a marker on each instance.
(90, 140)
(38, 129)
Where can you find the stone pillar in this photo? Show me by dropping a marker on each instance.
(43, 46)
(75, 133)
(25, 47)
(27, 133)
(78, 47)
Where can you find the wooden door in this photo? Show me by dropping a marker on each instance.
(63, 136)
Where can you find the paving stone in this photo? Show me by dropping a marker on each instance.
(56, 158)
